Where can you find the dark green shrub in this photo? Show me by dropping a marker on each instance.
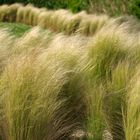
(134, 8)
(73, 5)
(77, 5)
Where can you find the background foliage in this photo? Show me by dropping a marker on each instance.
(134, 7)
(110, 7)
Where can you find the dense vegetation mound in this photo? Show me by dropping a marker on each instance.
(79, 79)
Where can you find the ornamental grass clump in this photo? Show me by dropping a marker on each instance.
(20, 15)
(108, 65)
(12, 12)
(36, 97)
(3, 13)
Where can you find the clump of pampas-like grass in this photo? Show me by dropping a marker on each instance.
(72, 24)
(90, 24)
(12, 12)
(8, 13)
(50, 111)
(26, 14)
(20, 15)
(3, 13)
(33, 117)
(109, 66)
(97, 23)
(34, 15)
(60, 23)
(44, 19)
(57, 19)
(5, 48)
(5, 52)
(38, 39)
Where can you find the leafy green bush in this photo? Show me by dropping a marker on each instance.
(77, 5)
(73, 5)
(134, 8)
(51, 4)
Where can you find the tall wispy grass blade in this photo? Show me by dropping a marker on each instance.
(132, 112)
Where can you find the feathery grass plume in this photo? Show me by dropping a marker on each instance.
(73, 23)
(5, 47)
(44, 19)
(90, 24)
(106, 51)
(61, 20)
(26, 14)
(116, 75)
(114, 99)
(44, 93)
(35, 38)
(12, 12)
(5, 51)
(131, 38)
(20, 15)
(66, 55)
(56, 18)
(3, 12)
(48, 20)
(97, 23)
(30, 99)
(132, 111)
(134, 49)
(66, 21)
(34, 14)
(84, 26)
(130, 25)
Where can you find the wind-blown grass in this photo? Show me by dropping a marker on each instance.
(132, 114)
(58, 20)
(59, 85)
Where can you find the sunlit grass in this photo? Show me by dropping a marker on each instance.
(80, 83)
